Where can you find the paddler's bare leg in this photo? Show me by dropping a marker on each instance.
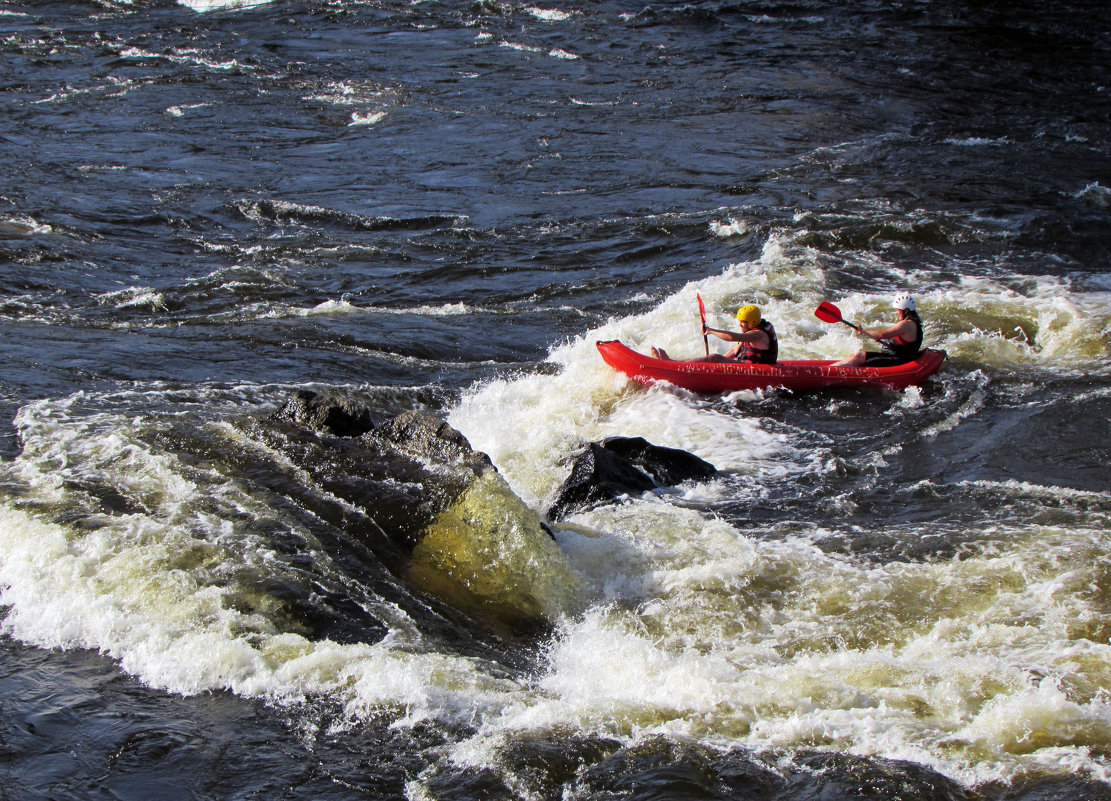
(856, 360)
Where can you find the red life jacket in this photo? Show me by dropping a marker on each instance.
(896, 346)
(768, 355)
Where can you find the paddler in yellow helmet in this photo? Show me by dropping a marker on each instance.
(756, 342)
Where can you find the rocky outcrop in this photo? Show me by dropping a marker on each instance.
(620, 466)
(334, 415)
(393, 486)
(449, 520)
(419, 434)
(412, 489)
(432, 439)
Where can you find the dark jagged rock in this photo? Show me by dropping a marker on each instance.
(825, 775)
(597, 476)
(337, 416)
(620, 466)
(431, 438)
(414, 432)
(677, 769)
(667, 466)
(1049, 788)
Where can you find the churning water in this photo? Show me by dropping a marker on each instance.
(207, 205)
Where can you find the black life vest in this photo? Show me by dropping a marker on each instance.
(768, 355)
(906, 350)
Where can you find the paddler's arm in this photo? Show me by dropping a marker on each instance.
(756, 336)
(905, 330)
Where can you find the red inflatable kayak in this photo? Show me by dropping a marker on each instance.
(803, 375)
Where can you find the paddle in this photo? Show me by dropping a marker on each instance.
(828, 313)
(702, 312)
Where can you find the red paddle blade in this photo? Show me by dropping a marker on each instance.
(828, 313)
(701, 307)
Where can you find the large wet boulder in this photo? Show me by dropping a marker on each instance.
(430, 505)
(617, 467)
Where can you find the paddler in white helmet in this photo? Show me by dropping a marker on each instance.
(756, 341)
(900, 342)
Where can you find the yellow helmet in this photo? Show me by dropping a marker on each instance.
(749, 314)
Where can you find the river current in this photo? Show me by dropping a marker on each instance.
(208, 205)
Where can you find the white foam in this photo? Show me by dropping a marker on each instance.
(549, 14)
(139, 586)
(371, 101)
(978, 141)
(768, 643)
(223, 5)
(182, 56)
(134, 298)
(577, 102)
(522, 47)
(329, 308)
(113, 87)
(1097, 193)
(728, 228)
(367, 118)
(23, 226)
(179, 111)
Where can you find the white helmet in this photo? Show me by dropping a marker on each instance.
(905, 301)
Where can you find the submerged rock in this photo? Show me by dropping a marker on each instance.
(489, 553)
(620, 466)
(683, 769)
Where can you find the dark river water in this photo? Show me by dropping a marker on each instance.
(209, 205)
